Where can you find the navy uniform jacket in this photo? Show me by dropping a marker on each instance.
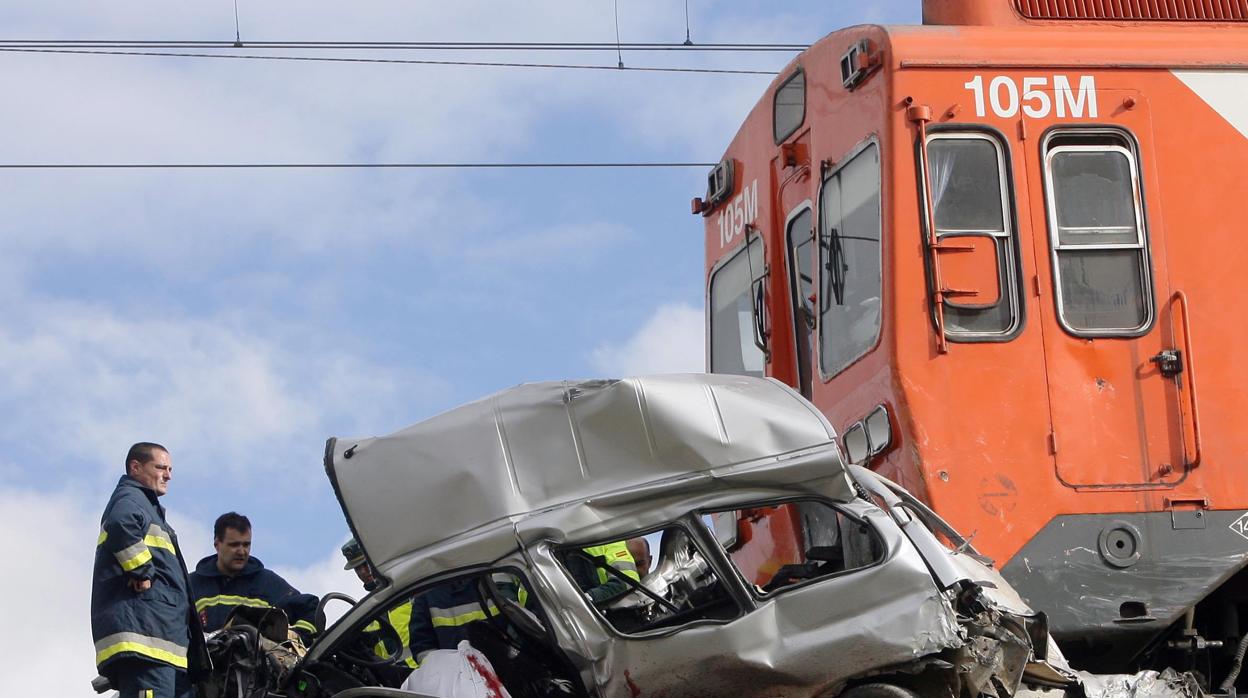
(439, 616)
(216, 595)
(136, 542)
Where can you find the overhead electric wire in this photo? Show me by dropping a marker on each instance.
(401, 61)
(403, 45)
(346, 165)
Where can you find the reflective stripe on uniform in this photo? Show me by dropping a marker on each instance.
(133, 556)
(147, 646)
(302, 625)
(462, 614)
(617, 556)
(157, 537)
(625, 567)
(139, 554)
(226, 600)
(401, 620)
(150, 693)
(409, 660)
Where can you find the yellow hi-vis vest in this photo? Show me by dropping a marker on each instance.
(617, 556)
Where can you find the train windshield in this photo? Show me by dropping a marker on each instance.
(851, 280)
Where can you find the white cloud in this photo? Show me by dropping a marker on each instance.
(572, 242)
(671, 341)
(324, 576)
(86, 380)
(133, 109)
(42, 597)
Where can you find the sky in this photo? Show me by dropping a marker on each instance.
(242, 317)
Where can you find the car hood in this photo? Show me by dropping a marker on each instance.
(540, 446)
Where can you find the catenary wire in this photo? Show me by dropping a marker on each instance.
(404, 45)
(400, 61)
(347, 165)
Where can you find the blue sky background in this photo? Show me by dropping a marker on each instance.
(242, 317)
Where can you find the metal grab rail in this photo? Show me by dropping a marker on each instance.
(920, 115)
(1190, 360)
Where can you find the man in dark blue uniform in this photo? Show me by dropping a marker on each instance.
(233, 578)
(141, 619)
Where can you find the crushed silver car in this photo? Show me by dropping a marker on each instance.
(779, 569)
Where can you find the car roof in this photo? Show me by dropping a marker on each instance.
(540, 446)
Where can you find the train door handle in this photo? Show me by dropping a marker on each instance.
(1169, 362)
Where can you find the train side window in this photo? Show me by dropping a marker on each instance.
(1097, 234)
(970, 203)
(850, 278)
(733, 347)
(789, 107)
(801, 244)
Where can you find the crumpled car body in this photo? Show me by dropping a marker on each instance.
(727, 477)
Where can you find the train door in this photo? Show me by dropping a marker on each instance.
(1109, 353)
(799, 235)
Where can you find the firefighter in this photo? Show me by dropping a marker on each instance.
(141, 619)
(233, 578)
(598, 584)
(398, 618)
(441, 615)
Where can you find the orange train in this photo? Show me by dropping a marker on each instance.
(1004, 252)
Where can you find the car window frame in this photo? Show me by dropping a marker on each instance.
(754, 590)
(407, 592)
(709, 549)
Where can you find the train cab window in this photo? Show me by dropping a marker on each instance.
(850, 281)
(1096, 233)
(734, 348)
(804, 540)
(801, 245)
(970, 203)
(789, 108)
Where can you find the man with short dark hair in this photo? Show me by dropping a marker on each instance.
(146, 637)
(639, 548)
(233, 578)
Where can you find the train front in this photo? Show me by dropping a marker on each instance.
(1001, 252)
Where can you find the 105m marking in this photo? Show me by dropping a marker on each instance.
(1035, 98)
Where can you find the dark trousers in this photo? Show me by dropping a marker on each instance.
(136, 678)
